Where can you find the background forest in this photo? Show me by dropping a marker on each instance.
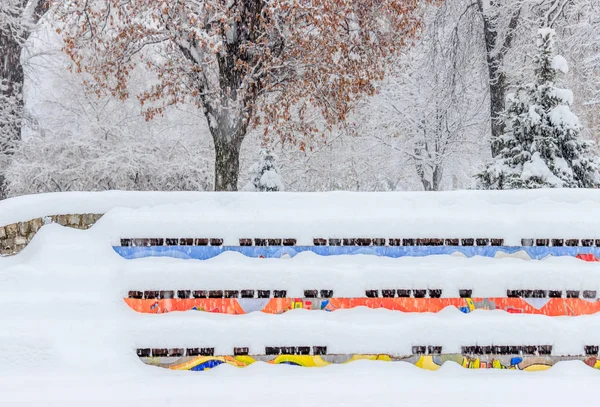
(429, 125)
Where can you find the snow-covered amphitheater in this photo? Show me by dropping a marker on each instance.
(173, 298)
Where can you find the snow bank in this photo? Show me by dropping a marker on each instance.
(357, 384)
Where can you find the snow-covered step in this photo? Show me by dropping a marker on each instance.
(354, 276)
(534, 224)
(508, 215)
(235, 284)
(186, 341)
(361, 330)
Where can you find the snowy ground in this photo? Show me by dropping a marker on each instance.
(360, 384)
(68, 339)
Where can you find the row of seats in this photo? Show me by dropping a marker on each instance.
(149, 242)
(588, 294)
(509, 350)
(533, 350)
(468, 293)
(186, 294)
(238, 351)
(384, 293)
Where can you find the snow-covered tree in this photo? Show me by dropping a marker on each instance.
(243, 62)
(74, 140)
(498, 27)
(17, 20)
(541, 146)
(579, 30)
(428, 126)
(433, 109)
(264, 174)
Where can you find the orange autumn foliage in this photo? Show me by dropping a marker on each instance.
(244, 63)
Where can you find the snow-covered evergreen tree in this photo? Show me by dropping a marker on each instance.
(541, 148)
(264, 174)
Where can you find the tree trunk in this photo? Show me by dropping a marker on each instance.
(497, 82)
(497, 106)
(437, 177)
(11, 96)
(434, 183)
(496, 48)
(227, 163)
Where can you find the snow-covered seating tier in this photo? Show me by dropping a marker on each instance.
(235, 284)
(535, 224)
(485, 340)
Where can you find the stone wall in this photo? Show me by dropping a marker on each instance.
(14, 237)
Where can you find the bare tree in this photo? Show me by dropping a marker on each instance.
(431, 110)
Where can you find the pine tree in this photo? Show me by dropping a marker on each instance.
(264, 174)
(541, 146)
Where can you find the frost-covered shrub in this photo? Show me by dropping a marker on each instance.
(265, 174)
(89, 163)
